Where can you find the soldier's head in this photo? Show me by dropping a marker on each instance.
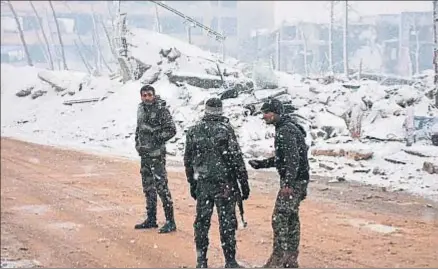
(272, 110)
(147, 94)
(213, 106)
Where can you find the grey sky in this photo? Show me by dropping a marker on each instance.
(318, 11)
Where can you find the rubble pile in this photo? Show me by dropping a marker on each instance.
(355, 128)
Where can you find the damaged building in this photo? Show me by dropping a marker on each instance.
(398, 44)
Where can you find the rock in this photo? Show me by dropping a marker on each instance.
(197, 80)
(325, 166)
(378, 171)
(337, 179)
(228, 94)
(141, 68)
(361, 171)
(151, 76)
(165, 52)
(173, 55)
(38, 93)
(430, 168)
(416, 153)
(24, 93)
(394, 161)
(329, 130)
(356, 155)
(434, 139)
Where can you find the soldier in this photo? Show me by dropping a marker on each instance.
(154, 128)
(214, 165)
(293, 167)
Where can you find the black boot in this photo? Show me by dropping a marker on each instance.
(230, 257)
(232, 264)
(168, 227)
(151, 211)
(202, 263)
(170, 224)
(147, 224)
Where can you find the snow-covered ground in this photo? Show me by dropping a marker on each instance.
(108, 125)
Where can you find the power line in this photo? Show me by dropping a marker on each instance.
(219, 37)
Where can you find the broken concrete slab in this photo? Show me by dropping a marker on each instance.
(198, 80)
(354, 154)
(38, 93)
(430, 168)
(25, 92)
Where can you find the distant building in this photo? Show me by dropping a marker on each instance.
(400, 44)
(235, 19)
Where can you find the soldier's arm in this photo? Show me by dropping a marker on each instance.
(289, 157)
(188, 156)
(267, 163)
(168, 128)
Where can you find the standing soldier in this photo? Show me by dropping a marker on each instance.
(154, 128)
(214, 165)
(293, 167)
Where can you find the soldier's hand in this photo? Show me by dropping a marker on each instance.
(256, 164)
(245, 191)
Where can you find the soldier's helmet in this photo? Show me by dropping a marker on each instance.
(213, 106)
(273, 105)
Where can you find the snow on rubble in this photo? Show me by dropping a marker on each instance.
(83, 111)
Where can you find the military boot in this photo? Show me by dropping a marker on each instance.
(170, 224)
(230, 258)
(274, 261)
(290, 259)
(201, 261)
(151, 212)
(147, 224)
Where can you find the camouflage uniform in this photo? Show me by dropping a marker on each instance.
(292, 165)
(214, 164)
(154, 128)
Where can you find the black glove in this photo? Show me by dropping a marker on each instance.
(193, 190)
(245, 191)
(256, 164)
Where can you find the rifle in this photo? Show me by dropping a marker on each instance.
(239, 201)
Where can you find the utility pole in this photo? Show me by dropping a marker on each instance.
(332, 19)
(278, 48)
(189, 33)
(346, 40)
(435, 49)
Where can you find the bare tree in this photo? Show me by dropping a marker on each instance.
(332, 20)
(157, 20)
(346, 40)
(306, 66)
(59, 35)
(435, 50)
(416, 32)
(20, 31)
(40, 23)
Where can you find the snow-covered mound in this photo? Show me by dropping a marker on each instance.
(80, 110)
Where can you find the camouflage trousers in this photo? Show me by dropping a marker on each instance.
(154, 181)
(286, 222)
(226, 210)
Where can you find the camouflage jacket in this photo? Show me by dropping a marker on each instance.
(212, 158)
(290, 154)
(155, 127)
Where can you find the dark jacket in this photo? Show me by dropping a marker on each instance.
(213, 160)
(290, 154)
(155, 127)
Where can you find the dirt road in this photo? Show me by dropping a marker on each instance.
(63, 208)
